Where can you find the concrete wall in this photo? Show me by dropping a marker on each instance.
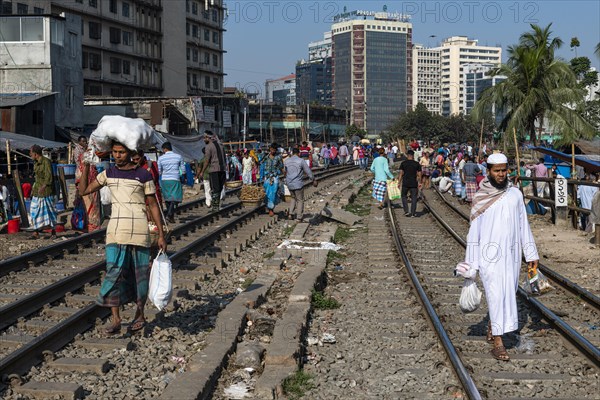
(174, 49)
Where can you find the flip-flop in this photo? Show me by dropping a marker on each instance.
(113, 329)
(499, 353)
(137, 325)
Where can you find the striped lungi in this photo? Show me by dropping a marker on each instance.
(379, 190)
(471, 189)
(42, 212)
(127, 272)
(172, 191)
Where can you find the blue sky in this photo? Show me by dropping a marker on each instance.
(264, 39)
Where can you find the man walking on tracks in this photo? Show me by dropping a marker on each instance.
(127, 235)
(295, 169)
(214, 157)
(498, 234)
(410, 176)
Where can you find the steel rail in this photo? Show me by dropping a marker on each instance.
(31, 353)
(29, 304)
(584, 345)
(565, 282)
(459, 368)
(22, 261)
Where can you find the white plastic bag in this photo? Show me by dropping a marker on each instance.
(160, 290)
(470, 296)
(133, 133)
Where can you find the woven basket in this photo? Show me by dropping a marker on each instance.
(252, 203)
(233, 184)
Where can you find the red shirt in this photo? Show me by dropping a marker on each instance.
(26, 188)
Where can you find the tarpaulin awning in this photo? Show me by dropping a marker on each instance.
(189, 147)
(590, 162)
(24, 142)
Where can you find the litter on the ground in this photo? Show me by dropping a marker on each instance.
(300, 244)
(237, 391)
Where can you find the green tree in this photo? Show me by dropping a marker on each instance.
(538, 87)
(353, 130)
(575, 44)
(581, 68)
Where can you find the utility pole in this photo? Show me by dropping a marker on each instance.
(260, 118)
(245, 113)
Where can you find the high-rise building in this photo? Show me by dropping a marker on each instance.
(372, 67)
(138, 48)
(456, 52)
(476, 80)
(427, 75)
(314, 78)
(282, 91)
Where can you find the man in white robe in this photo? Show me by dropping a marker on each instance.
(498, 234)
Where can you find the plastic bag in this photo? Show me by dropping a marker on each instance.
(133, 133)
(470, 296)
(393, 189)
(160, 290)
(536, 283)
(78, 217)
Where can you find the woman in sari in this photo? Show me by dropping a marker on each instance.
(91, 202)
(254, 166)
(273, 169)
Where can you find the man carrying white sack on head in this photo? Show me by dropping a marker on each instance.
(499, 232)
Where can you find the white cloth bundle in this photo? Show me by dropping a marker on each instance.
(465, 270)
(132, 133)
(470, 296)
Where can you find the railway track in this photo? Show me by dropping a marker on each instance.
(36, 325)
(543, 363)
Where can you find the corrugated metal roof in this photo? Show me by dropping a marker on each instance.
(20, 99)
(24, 142)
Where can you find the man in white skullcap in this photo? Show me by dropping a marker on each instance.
(499, 232)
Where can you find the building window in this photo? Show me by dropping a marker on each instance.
(195, 31)
(187, 9)
(187, 29)
(93, 3)
(187, 54)
(195, 55)
(215, 60)
(95, 62)
(215, 15)
(207, 35)
(216, 37)
(84, 59)
(38, 11)
(195, 8)
(95, 30)
(127, 38)
(69, 97)
(73, 44)
(115, 92)
(115, 65)
(207, 58)
(22, 8)
(125, 9)
(93, 90)
(207, 82)
(128, 92)
(216, 83)
(6, 7)
(194, 80)
(112, 6)
(24, 29)
(126, 67)
(115, 35)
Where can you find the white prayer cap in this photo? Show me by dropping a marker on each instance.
(497, 158)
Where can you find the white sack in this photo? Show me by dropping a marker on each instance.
(159, 290)
(470, 296)
(133, 133)
(105, 196)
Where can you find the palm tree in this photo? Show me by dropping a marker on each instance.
(537, 87)
(597, 51)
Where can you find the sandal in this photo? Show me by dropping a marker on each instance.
(499, 353)
(113, 329)
(137, 325)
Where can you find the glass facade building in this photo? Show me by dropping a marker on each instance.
(313, 82)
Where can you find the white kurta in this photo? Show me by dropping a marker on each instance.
(494, 244)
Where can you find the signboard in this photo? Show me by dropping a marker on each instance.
(198, 110)
(209, 114)
(226, 119)
(560, 192)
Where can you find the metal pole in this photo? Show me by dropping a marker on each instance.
(245, 112)
(8, 156)
(260, 118)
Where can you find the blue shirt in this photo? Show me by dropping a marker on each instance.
(170, 166)
(381, 168)
(296, 168)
